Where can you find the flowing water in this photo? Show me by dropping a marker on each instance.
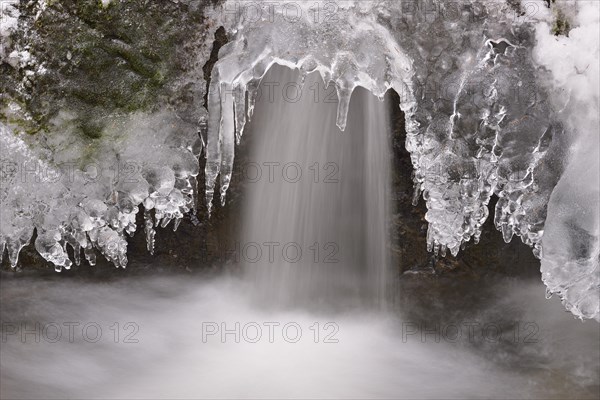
(318, 212)
(180, 337)
(168, 336)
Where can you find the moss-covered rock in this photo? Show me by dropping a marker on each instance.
(561, 25)
(97, 61)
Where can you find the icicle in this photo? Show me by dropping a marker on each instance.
(416, 194)
(14, 245)
(194, 185)
(51, 247)
(176, 224)
(90, 256)
(122, 255)
(443, 249)
(538, 251)
(213, 146)
(252, 89)
(77, 253)
(507, 233)
(2, 247)
(227, 139)
(165, 221)
(429, 238)
(68, 262)
(203, 133)
(149, 230)
(454, 250)
(131, 229)
(240, 111)
(344, 96)
(13, 253)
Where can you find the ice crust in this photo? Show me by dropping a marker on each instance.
(492, 106)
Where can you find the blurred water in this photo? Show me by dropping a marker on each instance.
(377, 354)
(320, 197)
(172, 336)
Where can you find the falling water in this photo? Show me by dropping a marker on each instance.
(318, 198)
(155, 341)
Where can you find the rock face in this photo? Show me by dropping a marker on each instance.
(98, 61)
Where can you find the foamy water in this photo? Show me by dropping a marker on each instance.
(301, 328)
(361, 354)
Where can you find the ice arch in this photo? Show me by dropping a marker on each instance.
(475, 136)
(356, 51)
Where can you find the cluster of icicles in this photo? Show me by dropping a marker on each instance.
(85, 210)
(358, 52)
(456, 183)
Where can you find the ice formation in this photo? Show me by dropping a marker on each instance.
(92, 203)
(571, 240)
(480, 118)
(476, 124)
(480, 83)
(351, 50)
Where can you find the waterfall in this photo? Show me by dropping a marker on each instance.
(315, 229)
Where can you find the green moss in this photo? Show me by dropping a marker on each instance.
(91, 128)
(561, 27)
(103, 61)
